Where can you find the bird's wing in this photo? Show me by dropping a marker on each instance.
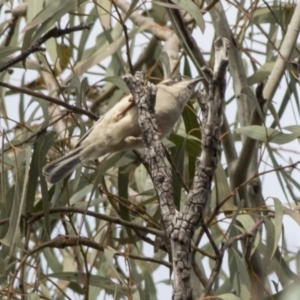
(88, 133)
(116, 113)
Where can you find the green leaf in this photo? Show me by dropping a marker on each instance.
(117, 81)
(32, 296)
(81, 194)
(35, 7)
(293, 214)
(104, 12)
(244, 280)
(82, 48)
(103, 52)
(109, 254)
(131, 9)
(246, 221)
(222, 189)
(30, 65)
(165, 61)
(235, 215)
(110, 162)
(13, 235)
(265, 134)
(6, 51)
(150, 288)
(123, 183)
(270, 240)
(192, 129)
(294, 129)
(261, 74)
(277, 223)
(33, 175)
(94, 280)
(52, 260)
(290, 292)
(140, 176)
(276, 165)
(44, 144)
(178, 158)
(250, 94)
(269, 14)
(136, 296)
(228, 296)
(291, 90)
(193, 10)
(282, 267)
(53, 11)
(193, 145)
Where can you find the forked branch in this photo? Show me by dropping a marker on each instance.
(180, 226)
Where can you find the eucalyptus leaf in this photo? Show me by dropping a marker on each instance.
(264, 134)
(270, 241)
(261, 74)
(6, 51)
(109, 253)
(117, 81)
(94, 280)
(228, 297)
(53, 11)
(193, 10)
(277, 223)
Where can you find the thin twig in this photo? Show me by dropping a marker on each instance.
(63, 241)
(198, 273)
(126, 38)
(53, 33)
(37, 133)
(11, 30)
(233, 193)
(36, 216)
(215, 271)
(74, 109)
(211, 240)
(171, 161)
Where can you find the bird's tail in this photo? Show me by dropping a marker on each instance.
(63, 166)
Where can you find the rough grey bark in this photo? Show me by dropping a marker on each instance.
(180, 226)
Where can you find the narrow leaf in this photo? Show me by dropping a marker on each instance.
(228, 296)
(250, 94)
(193, 10)
(277, 223)
(265, 134)
(94, 280)
(109, 254)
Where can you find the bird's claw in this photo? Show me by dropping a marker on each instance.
(132, 139)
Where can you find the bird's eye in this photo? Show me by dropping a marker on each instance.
(177, 79)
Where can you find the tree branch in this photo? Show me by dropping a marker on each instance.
(180, 227)
(186, 38)
(74, 109)
(53, 33)
(237, 71)
(155, 153)
(63, 241)
(36, 216)
(286, 49)
(224, 247)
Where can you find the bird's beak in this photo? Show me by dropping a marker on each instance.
(198, 79)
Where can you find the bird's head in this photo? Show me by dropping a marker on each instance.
(181, 87)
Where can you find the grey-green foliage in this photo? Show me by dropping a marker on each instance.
(112, 206)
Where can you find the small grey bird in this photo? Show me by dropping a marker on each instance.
(118, 129)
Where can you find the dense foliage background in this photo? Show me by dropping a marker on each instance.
(99, 232)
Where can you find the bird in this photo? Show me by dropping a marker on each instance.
(118, 128)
